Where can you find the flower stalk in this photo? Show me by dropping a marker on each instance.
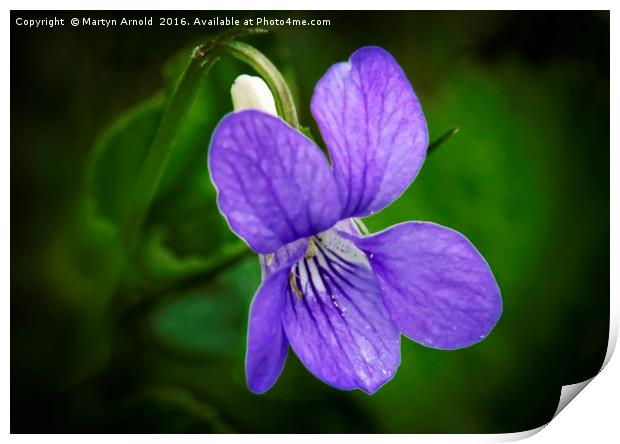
(161, 150)
(202, 60)
(267, 70)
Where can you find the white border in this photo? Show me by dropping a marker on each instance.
(592, 417)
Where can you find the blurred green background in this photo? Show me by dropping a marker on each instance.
(154, 342)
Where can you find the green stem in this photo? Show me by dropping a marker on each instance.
(203, 58)
(162, 147)
(263, 66)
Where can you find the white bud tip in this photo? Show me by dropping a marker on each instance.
(250, 92)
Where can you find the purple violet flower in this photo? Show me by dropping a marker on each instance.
(339, 298)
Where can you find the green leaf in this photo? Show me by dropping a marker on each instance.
(165, 409)
(162, 264)
(185, 233)
(184, 205)
(441, 140)
(201, 322)
(191, 145)
(208, 320)
(120, 150)
(193, 222)
(118, 155)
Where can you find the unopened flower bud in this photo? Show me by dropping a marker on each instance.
(250, 92)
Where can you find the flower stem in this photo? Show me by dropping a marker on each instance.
(263, 66)
(162, 147)
(202, 59)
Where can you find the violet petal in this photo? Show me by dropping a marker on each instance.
(437, 287)
(274, 185)
(283, 257)
(337, 323)
(267, 344)
(374, 128)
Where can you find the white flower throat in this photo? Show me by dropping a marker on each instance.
(326, 251)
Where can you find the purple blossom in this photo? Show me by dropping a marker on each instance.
(341, 299)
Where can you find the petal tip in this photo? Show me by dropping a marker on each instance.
(258, 389)
(371, 389)
(370, 50)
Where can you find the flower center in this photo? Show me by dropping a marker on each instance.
(325, 251)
